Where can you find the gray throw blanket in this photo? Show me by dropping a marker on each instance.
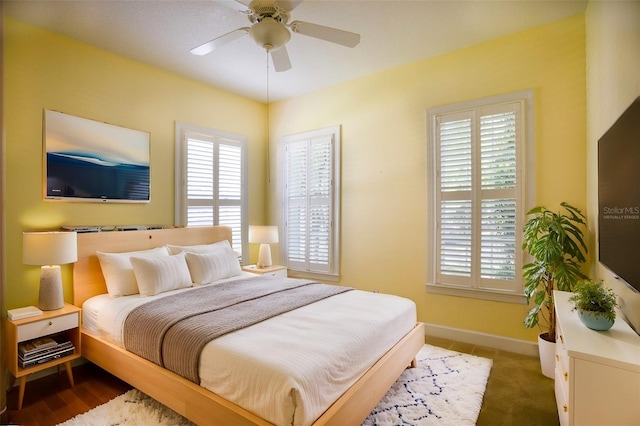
(173, 330)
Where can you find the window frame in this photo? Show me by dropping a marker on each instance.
(525, 190)
(333, 273)
(182, 131)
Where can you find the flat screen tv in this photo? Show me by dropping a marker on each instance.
(87, 160)
(619, 197)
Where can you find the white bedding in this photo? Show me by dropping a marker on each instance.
(290, 368)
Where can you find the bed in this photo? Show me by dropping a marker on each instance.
(222, 405)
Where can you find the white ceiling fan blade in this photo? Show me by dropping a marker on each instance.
(246, 3)
(288, 5)
(211, 45)
(333, 35)
(237, 5)
(280, 59)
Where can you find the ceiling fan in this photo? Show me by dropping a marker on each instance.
(270, 30)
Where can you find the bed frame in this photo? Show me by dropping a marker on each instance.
(185, 397)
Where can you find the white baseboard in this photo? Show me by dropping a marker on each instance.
(508, 344)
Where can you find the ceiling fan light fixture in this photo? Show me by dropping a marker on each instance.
(270, 34)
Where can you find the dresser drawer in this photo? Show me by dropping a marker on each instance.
(561, 345)
(46, 326)
(562, 402)
(562, 366)
(562, 378)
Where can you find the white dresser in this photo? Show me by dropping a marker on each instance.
(597, 377)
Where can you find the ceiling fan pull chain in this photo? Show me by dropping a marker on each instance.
(268, 121)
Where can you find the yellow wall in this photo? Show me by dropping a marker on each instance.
(613, 76)
(383, 203)
(43, 70)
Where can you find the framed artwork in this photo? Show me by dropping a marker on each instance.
(87, 160)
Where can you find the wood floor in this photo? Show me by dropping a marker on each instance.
(51, 400)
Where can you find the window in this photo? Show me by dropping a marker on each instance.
(311, 191)
(211, 181)
(477, 183)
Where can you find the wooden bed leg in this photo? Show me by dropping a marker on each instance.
(414, 363)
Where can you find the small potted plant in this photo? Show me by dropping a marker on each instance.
(595, 304)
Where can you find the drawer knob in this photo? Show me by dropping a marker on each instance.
(557, 357)
(566, 376)
(50, 322)
(565, 408)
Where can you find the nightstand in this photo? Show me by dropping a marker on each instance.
(269, 271)
(64, 322)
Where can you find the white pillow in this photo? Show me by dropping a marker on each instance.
(118, 272)
(206, 268)
(159, 274)
(202, 248)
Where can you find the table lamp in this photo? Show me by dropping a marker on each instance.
(49, 250)
(264, 235)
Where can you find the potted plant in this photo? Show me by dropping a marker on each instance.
(555, 242)
(596, 304)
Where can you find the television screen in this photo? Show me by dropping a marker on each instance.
(619, 197)
(88, 160)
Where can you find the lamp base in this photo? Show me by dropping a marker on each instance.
(264, 256)
(51, 297)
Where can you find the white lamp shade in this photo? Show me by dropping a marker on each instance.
(49, 248)
(263, 234)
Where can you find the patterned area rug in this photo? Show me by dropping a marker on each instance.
(446, 389)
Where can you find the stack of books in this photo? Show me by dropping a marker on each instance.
(43, 349)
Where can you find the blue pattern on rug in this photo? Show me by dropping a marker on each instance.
(446, 388)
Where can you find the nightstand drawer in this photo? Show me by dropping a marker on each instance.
(279, 273)
(46, 327)
(267, 271)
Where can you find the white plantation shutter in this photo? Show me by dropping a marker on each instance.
(200, 181)
(211, 182)
(455, 238)
(498, 239)
(477, 202)
(499, 208)
(296, 197)
(310, 201)
(230, 189)
(455, 205)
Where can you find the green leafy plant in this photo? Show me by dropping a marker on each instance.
(556, 244)
(593, 297)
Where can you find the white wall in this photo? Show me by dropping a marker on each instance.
(613, 82)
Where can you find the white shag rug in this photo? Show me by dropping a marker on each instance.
(445, 389)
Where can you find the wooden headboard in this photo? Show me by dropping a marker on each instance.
(88, 280)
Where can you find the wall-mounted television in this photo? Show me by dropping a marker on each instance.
(87, 160)
(619, 197)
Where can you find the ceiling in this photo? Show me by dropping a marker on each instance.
(393, 32)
